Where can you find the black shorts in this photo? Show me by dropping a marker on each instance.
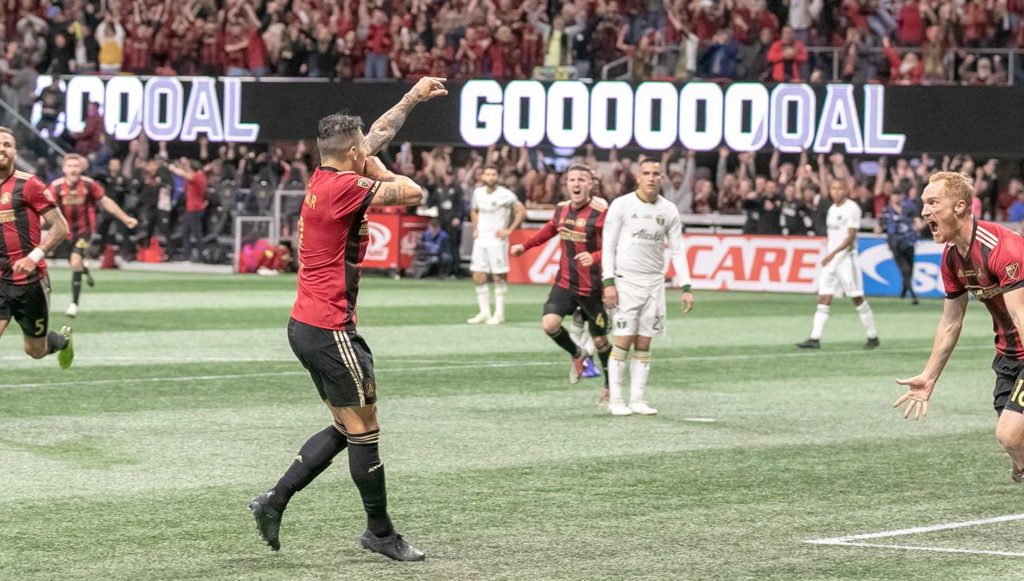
(28, 304)
(77, 245)
(1009, 390)
(563, 302)
(340, 363)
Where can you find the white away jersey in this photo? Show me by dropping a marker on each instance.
(839, 220)
(634, 238)
(494, 210)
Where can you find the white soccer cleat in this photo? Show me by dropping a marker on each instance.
(619, 408)
(72, 310)
(479, 318)
(496, 320)
(641, 408)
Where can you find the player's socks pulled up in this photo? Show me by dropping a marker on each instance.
(562, 339)
(368, 473)
(314, 457)
(76, 286)
(89, 280)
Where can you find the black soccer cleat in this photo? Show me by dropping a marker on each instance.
(392, 546)
(810, 344)
(871, 343)
(268, 520)
(89, 280)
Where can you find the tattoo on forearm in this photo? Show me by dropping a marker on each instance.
(390, 195)
(384, 129)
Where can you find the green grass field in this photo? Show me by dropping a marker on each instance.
(185, 401)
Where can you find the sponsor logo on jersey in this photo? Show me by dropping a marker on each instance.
(643, 234)
(5, 198)
(6, 216)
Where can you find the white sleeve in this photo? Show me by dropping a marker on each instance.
(677, 251)
(610, 240)
(855, 214)
(473, 201)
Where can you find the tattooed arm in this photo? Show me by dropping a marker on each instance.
(394, 190)
(385, 128)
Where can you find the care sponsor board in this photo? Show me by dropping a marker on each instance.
(760, 263)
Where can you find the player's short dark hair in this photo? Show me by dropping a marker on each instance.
(579, 167)
(490, 166)
(337, 133)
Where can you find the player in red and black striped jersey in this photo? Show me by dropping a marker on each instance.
(987, 260)
(24, 285)
(578, 223)
(333, 235)
(78, 196)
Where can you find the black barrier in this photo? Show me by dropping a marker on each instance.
(869, 119)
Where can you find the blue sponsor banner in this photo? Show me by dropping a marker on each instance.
(882, 277)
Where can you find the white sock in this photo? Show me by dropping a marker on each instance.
(639, 371)
(483, 298)
(587, 346)
(616, 372)
(576, 332)
(820, 318)
(500, 290)
(867, 319)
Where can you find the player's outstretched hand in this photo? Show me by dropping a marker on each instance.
(585, 259)
(131, 222)
(687, 300)
(427, 88)
(517, 249)
(919, 391)
(24, 266)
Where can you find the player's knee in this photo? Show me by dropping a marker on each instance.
(602, 344)
(643, 344)
(35, 351)
(551, 325)
(1010, 436)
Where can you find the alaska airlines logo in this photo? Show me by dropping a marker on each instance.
(643, 234)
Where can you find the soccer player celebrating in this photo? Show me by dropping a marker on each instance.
(332, 241)
(839, 268)
(78, 195)
(637, 227)
(983, 258)
(578, 223)
(491, 209)
(24, 286)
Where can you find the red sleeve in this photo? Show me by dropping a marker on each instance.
(775, 52)
(596, 255)
(894, 59)
(1005, 262)
(37, 196)
(352, 194)
(547, 232)
(950, 281)
(96, 191)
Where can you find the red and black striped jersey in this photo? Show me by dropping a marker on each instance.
(580, 231)
(333, 236)
(78, 204)
(991, 267)
(23, 199)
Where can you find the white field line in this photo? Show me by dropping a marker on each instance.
(482, 365)
(853, 540)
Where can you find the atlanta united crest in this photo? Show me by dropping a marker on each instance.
(1013, 270)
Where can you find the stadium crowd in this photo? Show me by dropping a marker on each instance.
(902, 41)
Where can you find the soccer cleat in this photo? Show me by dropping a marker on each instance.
(496, 320)
(575, 370)
(89, 280)
(392, 546)
(72, 311)
(619, 408)
(268, 520)
(872, 343)
(589, 369)
(641, 408)
(66, 355)
(810, 344)
(602, 400)
(479, 318)
(1016, 475)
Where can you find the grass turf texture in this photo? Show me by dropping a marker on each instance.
(185, 401)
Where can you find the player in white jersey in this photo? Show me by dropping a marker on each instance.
(637, 227)
(839, 268)
(495, 212)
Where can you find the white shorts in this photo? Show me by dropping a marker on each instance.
(641, 310)
(490, 256)
(842, 274)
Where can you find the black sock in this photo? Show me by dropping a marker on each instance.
(602, 354)
(76, 286)
(55, 342)
(564, 341)
(368, 473)
(314, 457)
